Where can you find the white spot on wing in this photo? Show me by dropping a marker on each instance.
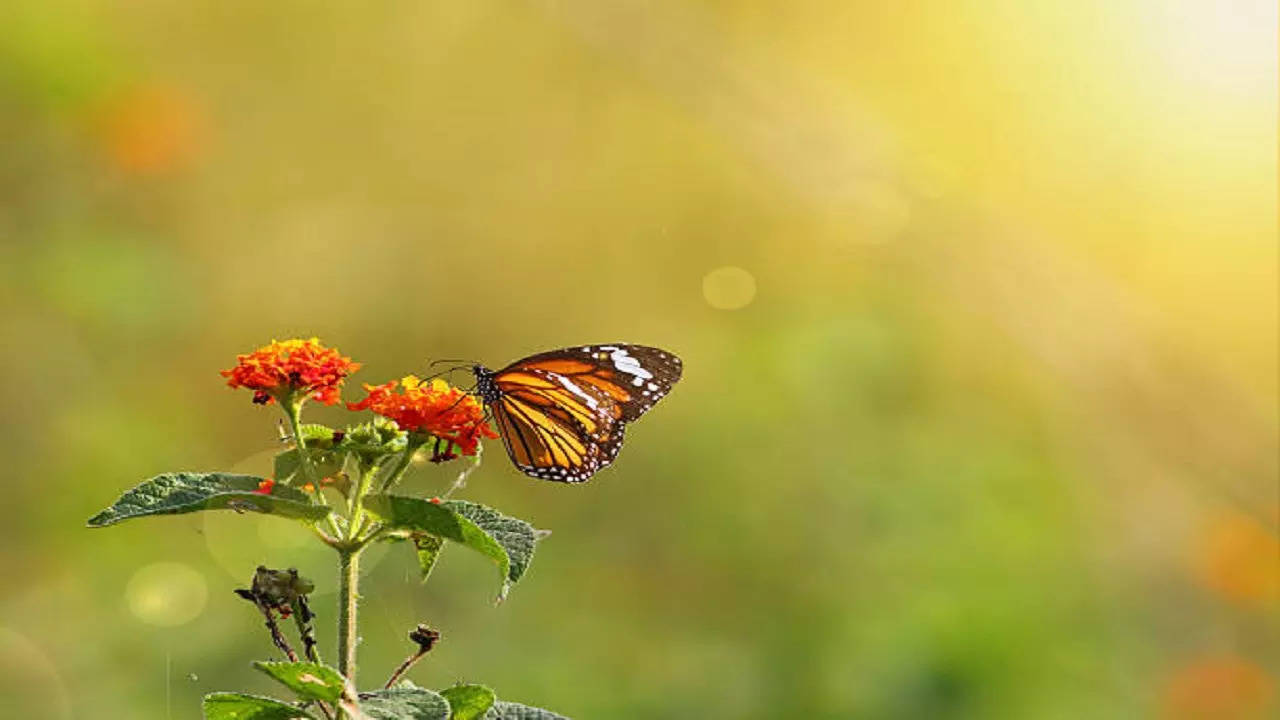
(627, 364)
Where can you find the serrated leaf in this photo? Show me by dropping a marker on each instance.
(185, 492)
(309, 681)
(468, 702)
(503, 710)
(239, 706)
(416, 514)
(428, 547)
(515, 536)
(404, 703)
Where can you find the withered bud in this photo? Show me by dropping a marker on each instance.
(425, 637)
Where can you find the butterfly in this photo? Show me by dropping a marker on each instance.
(562, 413)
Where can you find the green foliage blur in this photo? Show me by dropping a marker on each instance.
(976, 299)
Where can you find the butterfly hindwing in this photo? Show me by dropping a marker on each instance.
(562, 413)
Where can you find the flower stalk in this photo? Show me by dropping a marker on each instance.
(348, 599)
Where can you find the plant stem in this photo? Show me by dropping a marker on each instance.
(355, 516)
(401, 465)
(461, 482)
(304, 458)
(348, 597)
(277, 637)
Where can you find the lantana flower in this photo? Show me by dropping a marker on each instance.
(433, 408)
(280, 370)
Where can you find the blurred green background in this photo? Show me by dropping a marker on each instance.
(977, 302)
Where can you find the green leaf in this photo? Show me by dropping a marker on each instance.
(326, 460)
(326, 463)
(185, 492)
(238, 706)
(416, 514)
(468, 702)
(286, 463)
(429, 547)
(313, 433)
(515, 536)
(515, 711)
(310, 681)
(404, 703)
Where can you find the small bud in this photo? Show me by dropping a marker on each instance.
(425, 637)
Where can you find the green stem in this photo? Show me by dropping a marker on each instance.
(406, 458)
(348, 597)
(349, 578)
(304, 457)
(355, 516)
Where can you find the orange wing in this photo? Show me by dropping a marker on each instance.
(562, 414)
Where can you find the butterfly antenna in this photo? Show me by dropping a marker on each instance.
(452, 360)
(446, 371)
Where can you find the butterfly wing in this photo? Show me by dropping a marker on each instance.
(634, 377)
(562, 413)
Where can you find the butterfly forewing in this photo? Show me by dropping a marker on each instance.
(633, 376)
(562, 413)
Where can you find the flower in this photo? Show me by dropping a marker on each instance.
(434, 408)
(276, 371)
(265, 487)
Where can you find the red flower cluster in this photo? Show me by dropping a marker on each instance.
(435, 408)
(282, 368)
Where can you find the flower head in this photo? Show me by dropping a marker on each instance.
(280, 369)
(434, 408)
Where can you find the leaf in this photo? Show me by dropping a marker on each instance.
(404, 703)
(515, 536)
(410, 513)
(310, 681)
(185, 492)
(502, 710)
(468, 702)
(326, 463)
(238, 706)
(429, 547)
(320, 442)
(316, 433)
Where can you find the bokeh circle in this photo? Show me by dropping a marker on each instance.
(729, 288)
(166, 594)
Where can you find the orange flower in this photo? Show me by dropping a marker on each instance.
(282, 368)
(434, 408)
(265, 487)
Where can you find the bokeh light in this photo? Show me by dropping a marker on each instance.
(1239, 558)
(28, 677)
(1220, 688)
(729, 288)
(167, 594)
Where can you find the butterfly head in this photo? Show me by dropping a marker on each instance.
(486, 388)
